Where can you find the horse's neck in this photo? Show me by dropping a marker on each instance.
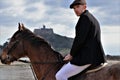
(40, 58)
(45, 68)
(46, 71)
(41, 54)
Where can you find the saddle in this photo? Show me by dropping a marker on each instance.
(90, 69)
(94, 68)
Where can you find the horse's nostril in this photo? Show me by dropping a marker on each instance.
(2, 61)
(0, 56)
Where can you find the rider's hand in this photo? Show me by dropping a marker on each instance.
(68, 57)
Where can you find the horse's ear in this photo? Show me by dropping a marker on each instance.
(21, 27)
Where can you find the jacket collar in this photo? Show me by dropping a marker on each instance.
(86, 11)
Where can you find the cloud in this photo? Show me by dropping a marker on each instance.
(58, 3)
(111, 35)
(111, 39)
(6, 33)
(57, 15)
(107, 11)
(41, 11)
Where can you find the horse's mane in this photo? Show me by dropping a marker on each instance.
(28, 35)
(35, 40)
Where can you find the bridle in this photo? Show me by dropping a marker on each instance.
(59, 60)
(13, 47)
(50, 62)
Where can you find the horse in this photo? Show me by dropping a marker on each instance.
(45, 60)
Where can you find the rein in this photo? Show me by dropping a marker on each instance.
(18, 41)
(59, 59)
(49, 70)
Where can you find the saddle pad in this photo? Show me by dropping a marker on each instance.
(96, 68)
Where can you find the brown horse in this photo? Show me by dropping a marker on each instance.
(45, 60)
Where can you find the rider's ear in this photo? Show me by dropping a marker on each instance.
(21, 27)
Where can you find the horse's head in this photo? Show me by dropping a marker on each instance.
(15, 48)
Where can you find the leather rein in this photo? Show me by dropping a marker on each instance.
(59, 60)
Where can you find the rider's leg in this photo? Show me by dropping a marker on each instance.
(69, 70)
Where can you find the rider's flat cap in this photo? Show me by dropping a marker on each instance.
(77, 2)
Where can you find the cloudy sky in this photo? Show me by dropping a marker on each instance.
(57, 15)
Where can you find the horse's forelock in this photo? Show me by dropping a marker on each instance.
(18, 32)
(14, 35)
(22, 32)
(28, 35)
(34, 39)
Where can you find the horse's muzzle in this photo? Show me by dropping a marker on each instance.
(3, 61)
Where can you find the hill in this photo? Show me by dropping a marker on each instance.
(110, 57)
(57, 41)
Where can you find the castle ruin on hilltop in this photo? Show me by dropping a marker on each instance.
(43, 31)
(58, 42)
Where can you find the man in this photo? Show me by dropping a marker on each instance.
(87, 48)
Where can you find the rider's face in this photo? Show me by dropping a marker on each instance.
(79, 9)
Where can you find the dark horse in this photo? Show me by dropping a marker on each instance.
(45, 60)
